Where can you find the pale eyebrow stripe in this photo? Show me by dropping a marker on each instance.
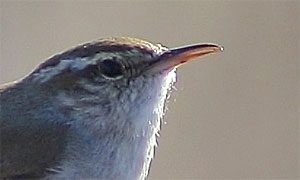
(90, 49)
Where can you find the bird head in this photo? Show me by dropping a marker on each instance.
(120, 75)
(114, 62)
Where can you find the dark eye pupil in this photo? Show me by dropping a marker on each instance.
(111, 68)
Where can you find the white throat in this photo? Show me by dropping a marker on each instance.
(132, 146)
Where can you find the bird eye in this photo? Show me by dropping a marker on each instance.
(111, 68)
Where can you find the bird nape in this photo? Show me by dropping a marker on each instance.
(93, 111)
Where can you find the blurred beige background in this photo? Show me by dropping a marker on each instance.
(235, 115)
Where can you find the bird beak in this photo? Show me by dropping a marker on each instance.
(175, 57)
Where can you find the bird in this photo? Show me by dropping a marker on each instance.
(91, 112)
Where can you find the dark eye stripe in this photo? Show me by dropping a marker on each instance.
(90, 71)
